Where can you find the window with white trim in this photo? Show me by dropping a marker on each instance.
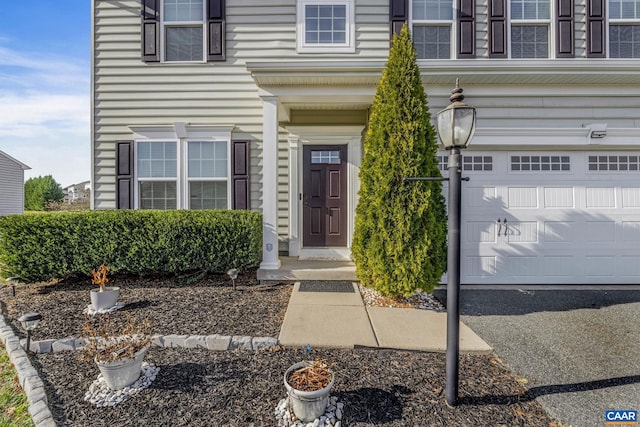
(182, 174)
(326, 26)
(624, 28)
(432, 22)
(530, 28)
(183, 30)
(207, 174)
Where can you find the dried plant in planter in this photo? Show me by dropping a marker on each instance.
(100, 276)
(315, 376)
(107, 342)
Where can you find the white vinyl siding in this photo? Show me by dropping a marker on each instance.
(11, 186)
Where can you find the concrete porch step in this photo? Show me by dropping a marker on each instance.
(294, 269)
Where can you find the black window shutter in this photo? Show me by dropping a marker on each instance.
(150, 31)
(216, 26)
(240, 175)
(596, 29)
(466, 28)
(398, 15)
(497, 29)
(565, 43)
(124, 174)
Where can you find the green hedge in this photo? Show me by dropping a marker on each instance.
(57, 245)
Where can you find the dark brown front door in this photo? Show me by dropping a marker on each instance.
(324, 197)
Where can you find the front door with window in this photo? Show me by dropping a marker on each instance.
(324, 196)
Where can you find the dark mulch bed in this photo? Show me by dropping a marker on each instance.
(196, 387)
(378, 387)
(174, 305)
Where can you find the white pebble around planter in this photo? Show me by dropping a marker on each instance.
(100, 394)
(332, 417)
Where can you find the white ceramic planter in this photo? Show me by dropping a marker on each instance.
(307, 405)
(106, 299)
(122, 373)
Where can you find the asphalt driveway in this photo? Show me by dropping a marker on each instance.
(579, 350)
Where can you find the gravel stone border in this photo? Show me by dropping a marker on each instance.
(27, 377)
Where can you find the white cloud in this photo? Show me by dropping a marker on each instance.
(44, 113)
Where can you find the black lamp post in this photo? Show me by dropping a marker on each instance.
(29, 322)
(456, 126)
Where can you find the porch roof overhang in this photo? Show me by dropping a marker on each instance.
(442, 72)
(340, 85)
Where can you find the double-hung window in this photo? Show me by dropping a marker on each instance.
(157, 175)
(530, 28)
(184, 30)
(207, 174)
(624, 28)
(182, 174)
(432, 28)
(326, 26)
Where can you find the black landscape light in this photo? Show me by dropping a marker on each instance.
(13, 281)
(233, 274)
(29, 322)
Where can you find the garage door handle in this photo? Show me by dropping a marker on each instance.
(499, 227)
(506, 227)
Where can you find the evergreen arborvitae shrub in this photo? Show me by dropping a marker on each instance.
(399, 244)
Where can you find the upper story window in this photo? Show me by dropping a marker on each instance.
(624, 28)
(183, 30)
(432, 22)
(326, 26)
(530, 27)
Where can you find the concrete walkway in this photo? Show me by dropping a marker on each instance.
(340, 319)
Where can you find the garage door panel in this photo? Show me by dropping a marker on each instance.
(522, 266)
(480, 197)
(522, 232)
(630, 197)
(558, 197)
(631, 231)
(559, 231)
(628, 266)
(600, 197)
(576, 224)
(522, 197)
(480, 266)
(559, 267)
(600, 231)
(600, 266)
(480, 232)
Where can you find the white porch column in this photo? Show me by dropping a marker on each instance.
(294, 196)
(355, 159)
(270, 260)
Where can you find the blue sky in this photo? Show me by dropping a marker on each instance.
(45, 85)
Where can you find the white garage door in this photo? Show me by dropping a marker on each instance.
(550, 218)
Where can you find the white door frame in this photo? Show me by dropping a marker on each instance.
(322, 135)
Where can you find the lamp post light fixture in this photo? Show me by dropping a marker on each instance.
(456, 126)
(29, 322)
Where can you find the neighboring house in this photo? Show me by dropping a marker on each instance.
(262, 105)
(11, 185)
(77, 192)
